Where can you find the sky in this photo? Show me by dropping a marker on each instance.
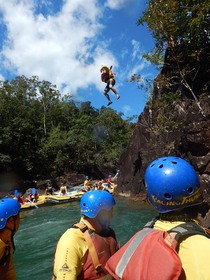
(66, 42)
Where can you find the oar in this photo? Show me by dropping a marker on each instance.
(33, 203)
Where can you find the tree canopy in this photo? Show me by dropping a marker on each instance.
(182, 46)
(172, 21)
(42, 132)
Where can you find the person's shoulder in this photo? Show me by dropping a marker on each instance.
(195, 248)
(166, 225)
(72, 235)
(199, 240)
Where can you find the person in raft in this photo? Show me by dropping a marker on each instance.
(9, 223)
(107, 76)
(173, 188)
(63, 189)
(83, 250)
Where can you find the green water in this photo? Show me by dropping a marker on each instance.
(41, 228)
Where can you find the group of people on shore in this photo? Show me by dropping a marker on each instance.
(89, 248)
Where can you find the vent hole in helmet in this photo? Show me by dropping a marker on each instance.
(167, 196)
(161, 166)
(152, 165)
(174, 162)
(190, 190)
(84, 204)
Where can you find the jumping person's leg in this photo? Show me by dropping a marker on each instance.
(106, 90)
(111, 86)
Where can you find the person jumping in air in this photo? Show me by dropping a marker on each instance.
(107, 76)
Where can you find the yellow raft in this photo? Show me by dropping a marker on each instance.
(30, 204)
(58, 199)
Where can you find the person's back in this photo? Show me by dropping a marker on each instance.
(173, 189)
(63, 190)
(109, 180)
(87, 184)
(194, 252)
(83, 250)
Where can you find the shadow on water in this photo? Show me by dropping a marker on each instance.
(41, 228)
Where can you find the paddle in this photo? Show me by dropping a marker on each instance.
(33, 203)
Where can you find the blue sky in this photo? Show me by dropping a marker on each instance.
(67, 42)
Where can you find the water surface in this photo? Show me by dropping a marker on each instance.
(41, 228)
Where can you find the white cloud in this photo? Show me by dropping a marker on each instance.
(136, 53)
(136, 64)
(137, 68)
(117, 4)
(126, 109)
(59, 47)
(2, 78)
(66, 42)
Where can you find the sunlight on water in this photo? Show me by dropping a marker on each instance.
(41, 228)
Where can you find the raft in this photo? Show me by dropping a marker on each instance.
(30, 205)
(59, 199)
(110, 188)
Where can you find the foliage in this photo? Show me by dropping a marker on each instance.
(167, 118)
(43, 133)
(182, 40)
(170, 21)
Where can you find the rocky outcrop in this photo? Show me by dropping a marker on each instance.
(175, 121)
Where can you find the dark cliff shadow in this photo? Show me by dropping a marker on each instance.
(137, 164)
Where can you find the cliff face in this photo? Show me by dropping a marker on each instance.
(175, 121)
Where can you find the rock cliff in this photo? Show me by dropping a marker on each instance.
(175, 121)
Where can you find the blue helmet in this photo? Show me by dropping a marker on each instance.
(8, 207)
(172, 184)
(33, 191)
(92, 202)
(16, 192)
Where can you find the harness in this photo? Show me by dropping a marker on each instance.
(13, 232)
(100, 249)
(5, 258)
(4, 262)
(94, 256)
(184, 230)
(152, 253)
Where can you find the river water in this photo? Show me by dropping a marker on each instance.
(41, 228)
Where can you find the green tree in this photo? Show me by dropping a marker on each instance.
(113, 134)
(182, 39)
(48, 96)
(170, 21)
(42, 133)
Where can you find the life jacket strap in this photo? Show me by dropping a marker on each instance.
(91, 247)
(5, 257)
(176, 234)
